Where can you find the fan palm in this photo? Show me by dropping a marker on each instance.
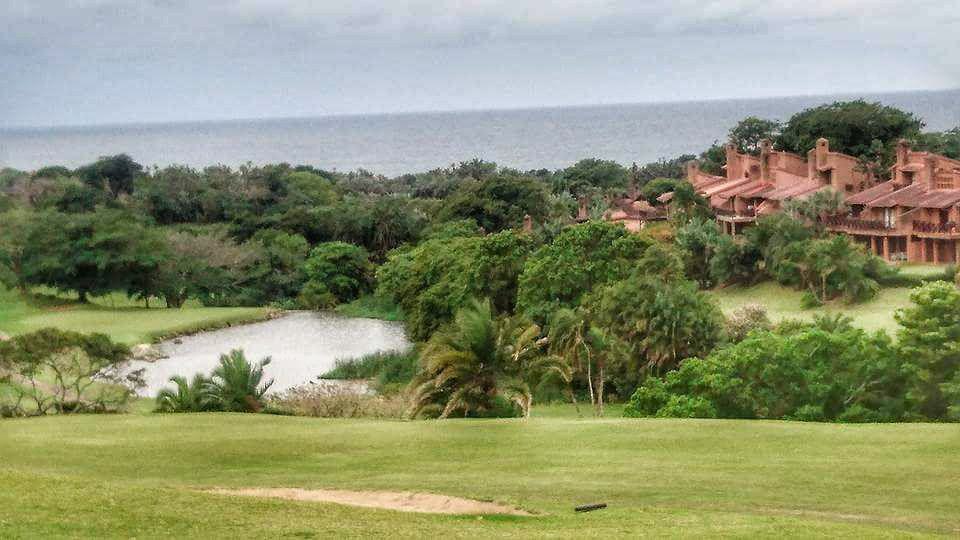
(473, 360)
(186, 396)
(237, 385)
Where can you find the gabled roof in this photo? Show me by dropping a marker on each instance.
(798, 190)
(723, 186)
(870, 194)
(914, 196)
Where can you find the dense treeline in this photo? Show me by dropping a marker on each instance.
(507, 314)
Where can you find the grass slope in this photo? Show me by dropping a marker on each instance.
(141, 476)
(783, 303)
(116, 316)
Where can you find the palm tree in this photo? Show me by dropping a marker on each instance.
(236, 384)
(186, 397)
(475, 359)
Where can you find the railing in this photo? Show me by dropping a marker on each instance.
(856, 224)
(937, 228)
(749, 212)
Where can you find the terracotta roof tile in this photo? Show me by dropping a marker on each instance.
(868, 195)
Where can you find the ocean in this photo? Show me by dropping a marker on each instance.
(393, 144)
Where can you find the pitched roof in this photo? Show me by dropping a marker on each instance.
(869, 194)
(915, 195)
(798, 190)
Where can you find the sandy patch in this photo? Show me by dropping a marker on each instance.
(403, 501)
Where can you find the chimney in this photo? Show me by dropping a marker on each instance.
(583, 213)
(823, 149)
(734, 167)
(766, 150)
(930, 171)
(903, 152)
(634, 182)
(527, 223)
(693, 168)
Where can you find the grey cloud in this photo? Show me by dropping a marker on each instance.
(128, 60)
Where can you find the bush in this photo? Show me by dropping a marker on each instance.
(235, 385)
(386, 369)
(53, 370)
(826, 371)
(809, 300)
(334, 400)
(746, 319)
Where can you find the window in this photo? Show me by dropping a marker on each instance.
(888, 218)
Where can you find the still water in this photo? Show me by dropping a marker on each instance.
(393, 144)
(302, 345)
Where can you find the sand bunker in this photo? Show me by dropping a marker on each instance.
(403, 501)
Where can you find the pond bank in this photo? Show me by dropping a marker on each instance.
(302, 346)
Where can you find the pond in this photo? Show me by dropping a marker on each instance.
(302, 346)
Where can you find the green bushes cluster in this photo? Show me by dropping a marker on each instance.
(56, 371)
(387, 370)
(824, 371)
(235, 385)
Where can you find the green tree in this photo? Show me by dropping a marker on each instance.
(14, 245)
(588, 175)
(868, 131)
(497, 202)
(819, 373)
(657, 322)
(748, 133)
(115, 173)
(930, 340)
(946, 143)
(478, 357)
(431, 281)
(581, 258)
(339, 269)
(67, 372)
(657, 187)
(93, 254)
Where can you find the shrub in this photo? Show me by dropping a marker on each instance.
(336, 271)
(824, 371)
(187, 396)
(66, 372)
(930, 342)
(334, 400)
(386, 369)
(746, 319)
(236, 385)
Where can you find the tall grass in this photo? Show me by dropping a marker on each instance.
(387, 370)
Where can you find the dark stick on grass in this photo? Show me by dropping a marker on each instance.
(590, 507)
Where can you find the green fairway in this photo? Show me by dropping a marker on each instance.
(783, 303)
(116, 316)
(142, 475)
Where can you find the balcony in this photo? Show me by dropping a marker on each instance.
(749, 214)
(853, 224)
(936, 229)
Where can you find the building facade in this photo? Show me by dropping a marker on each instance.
(912, 217)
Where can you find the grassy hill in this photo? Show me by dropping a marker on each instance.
(114, 315)
(144, 476)
(784, 303)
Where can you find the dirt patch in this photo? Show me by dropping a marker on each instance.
(403, 501)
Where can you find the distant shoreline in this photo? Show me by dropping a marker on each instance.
(481, 110)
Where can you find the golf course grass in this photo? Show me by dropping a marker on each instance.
(145, 476)
(120, 318)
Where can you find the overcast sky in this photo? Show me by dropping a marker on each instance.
(104, 61)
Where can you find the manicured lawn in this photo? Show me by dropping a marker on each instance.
(141, 476)
(116, 316)
(784, 303)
